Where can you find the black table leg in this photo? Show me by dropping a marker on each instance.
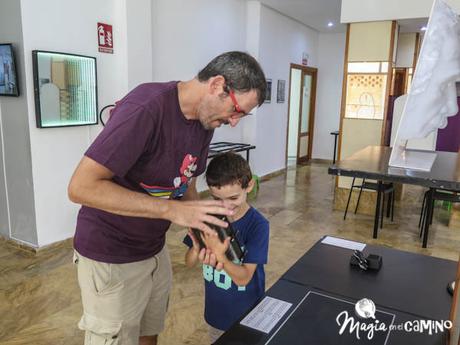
(335, 149)
(377, 209)
(429, 210)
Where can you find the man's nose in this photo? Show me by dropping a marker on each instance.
(233, 121)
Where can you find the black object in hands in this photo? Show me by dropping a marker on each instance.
(371, 262)
(234, 251)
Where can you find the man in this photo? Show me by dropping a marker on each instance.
(136, 178)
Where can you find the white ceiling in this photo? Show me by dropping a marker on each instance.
(412, 25)
(313, 13)
(317, 13)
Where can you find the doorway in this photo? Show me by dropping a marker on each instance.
(301, 114)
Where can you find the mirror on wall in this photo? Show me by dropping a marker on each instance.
(65, 87)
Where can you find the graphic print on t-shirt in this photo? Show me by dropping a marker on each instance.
(220, 278)
(180, 183)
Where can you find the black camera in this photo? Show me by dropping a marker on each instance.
(234, 251)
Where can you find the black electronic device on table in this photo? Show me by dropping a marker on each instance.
(234, 251)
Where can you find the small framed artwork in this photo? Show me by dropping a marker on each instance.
(268, 94)
(280, 91)
(8, 74)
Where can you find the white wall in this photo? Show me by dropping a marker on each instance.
(17, 189)
(139, 39)
(405, 50)
(375, 10)
(331, 52)
(4, 217)
(282, 41)
(67, 26)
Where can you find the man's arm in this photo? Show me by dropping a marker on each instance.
(91, 185)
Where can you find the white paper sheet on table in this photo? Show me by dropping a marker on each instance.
(266, 314)
(340, 242)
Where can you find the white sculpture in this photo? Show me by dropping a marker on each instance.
(433, 95)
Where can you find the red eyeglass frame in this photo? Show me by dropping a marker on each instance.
(235, 103)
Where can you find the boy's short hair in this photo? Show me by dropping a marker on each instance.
(227, 169)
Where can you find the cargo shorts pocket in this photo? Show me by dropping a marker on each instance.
(100, 331)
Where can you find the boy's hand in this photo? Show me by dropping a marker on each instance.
(196, 244)
(218, 248)
(208, 258)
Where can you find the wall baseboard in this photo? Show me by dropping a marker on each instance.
(36, 250)
(321, 161)
(272, 175)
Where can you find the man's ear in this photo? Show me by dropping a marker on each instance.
(250, 186)
(216, 84)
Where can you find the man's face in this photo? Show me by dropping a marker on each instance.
(233, 195)
(222, 108)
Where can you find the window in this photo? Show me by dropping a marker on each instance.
(366, 89)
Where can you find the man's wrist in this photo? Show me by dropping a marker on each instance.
(166, 209)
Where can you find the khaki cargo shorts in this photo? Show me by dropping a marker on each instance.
(123, 301)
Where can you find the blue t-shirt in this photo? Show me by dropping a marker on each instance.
(226, 302)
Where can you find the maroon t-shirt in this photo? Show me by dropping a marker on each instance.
(151, 148)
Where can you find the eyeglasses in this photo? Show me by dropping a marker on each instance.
(235, 103)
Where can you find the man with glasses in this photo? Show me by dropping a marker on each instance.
(137, 178)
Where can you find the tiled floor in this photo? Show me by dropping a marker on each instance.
(39, 296)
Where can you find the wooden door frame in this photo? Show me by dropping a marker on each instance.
(314, 73)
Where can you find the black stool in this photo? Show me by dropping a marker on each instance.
(386, 188)
(426, 214)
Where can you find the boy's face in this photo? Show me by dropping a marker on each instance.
(233, 195)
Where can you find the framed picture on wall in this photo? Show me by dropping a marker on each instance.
(8, 74)
(280, 91)
(268, 94)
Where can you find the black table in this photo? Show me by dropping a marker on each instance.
(409, 286)
(372, 163)
(224, 146)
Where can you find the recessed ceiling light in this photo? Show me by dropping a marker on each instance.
(330, 24)
(423, 28)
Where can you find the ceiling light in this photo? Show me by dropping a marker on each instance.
(423, 28)
(330, 24)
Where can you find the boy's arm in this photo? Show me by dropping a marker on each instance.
(240, 274)
(191, 257)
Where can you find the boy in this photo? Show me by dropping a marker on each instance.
(230, 292)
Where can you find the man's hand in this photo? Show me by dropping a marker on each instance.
(195, 214)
